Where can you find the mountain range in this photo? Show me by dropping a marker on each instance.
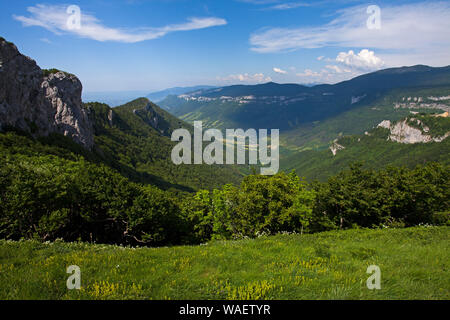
(289, 106)
(161, 95)
(312, 119)
(44, 107)
(393, 116)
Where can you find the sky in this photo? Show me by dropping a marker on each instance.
(149, 45)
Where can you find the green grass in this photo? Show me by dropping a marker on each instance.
(414, 264)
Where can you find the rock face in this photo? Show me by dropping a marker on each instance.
(41, 104)
(335, 147)
(403, 132)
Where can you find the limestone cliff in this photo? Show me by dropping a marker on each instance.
(41, 103)
(404, 132)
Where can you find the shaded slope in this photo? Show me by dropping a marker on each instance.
(135, 139)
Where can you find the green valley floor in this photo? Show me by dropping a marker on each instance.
(414, 264)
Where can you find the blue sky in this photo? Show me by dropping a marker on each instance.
(147, 45)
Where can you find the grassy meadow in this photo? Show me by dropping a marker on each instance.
(414, 264)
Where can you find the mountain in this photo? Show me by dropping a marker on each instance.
(393, 105)
(135, 139)
(289, 106)
(41, 113)
(117, 98)
(41, 101)
(87, 172)
(112, 98)
(416, 139)
(312, 118)
(161, 95)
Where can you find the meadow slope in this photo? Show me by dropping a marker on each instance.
(414, 264)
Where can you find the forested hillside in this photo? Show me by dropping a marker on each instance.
(89, 172)
(374, 149)
(135, 139)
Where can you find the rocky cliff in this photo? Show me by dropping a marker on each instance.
(41, 102)
(404, 132)
(335, 147)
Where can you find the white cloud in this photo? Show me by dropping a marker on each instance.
(409, 31)
(348, 65)
(290, 5)
(364, 60)
(285, 5)
(258, 2)
(338, 69)
(281, 71)
(245, 77)
(309, 73)
(54, 18)
(328, 74)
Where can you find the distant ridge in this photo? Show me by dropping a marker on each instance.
(161, 95)
(290, 106)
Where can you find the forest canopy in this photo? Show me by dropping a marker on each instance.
(47, 194)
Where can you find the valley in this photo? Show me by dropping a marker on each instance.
(313, 119)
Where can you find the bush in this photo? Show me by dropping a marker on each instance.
(47, 198)
(262, 205)
(441, 218)
(370, 198)
(48, 192)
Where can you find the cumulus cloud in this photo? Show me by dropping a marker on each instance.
(418, 29)
(364, 60)
(54, 18)
(245, 77)
(281, 71)
(346, 65)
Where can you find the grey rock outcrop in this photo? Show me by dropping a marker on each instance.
(403, 132)
(335, 147)
(41, 104)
